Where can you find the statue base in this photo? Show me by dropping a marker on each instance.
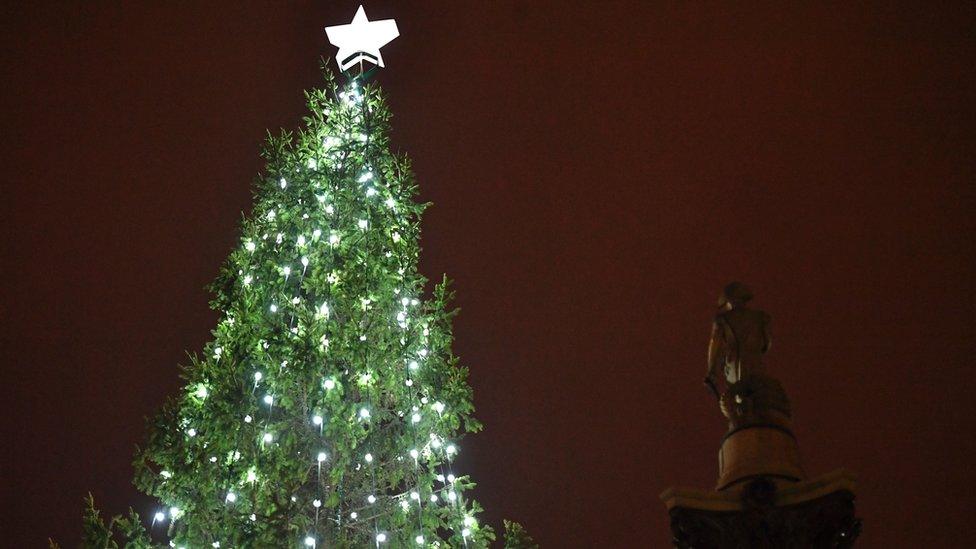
(759, 450)
(763, 513)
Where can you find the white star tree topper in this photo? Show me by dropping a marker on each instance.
(362, 39)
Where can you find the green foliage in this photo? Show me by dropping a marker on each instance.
(120, 532)
(328, 404)
(517, 538)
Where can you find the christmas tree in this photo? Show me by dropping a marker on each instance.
(327, 408)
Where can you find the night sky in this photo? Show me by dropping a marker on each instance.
(599, 170)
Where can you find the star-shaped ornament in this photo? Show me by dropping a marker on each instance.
(362, 39)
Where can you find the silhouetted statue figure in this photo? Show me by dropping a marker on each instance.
(740, 338)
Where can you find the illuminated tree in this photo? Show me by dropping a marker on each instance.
(327, 408)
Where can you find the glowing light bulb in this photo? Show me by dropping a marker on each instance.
(396, 237)
(451, 449)
(329, 384)
(364, 413)
(415, 496)
(304, 261)
(366, 176)
(270, 215)
(269, 400)
(414, 453)
(316, 233)
(165, 474)
(174, 512)
(450, 478)
(329, 209)
(310, 541)
(363, 224)
(247, 280)
(390, 203)
(268, 437)
(317, 420)
(231, 497)
(287, 271)
(419, 539)
(369, 458)
(354, 515)
(409, 383)
(404, 504)
(159, 516)
(312, 164)
(301, 240)
(192, 432)
(371, 498)
(415, 418)
(469, 521)
(324, 309)
(466, 532)
(201, 391)
(273, 308)
(251, 475)
(321, 457)
(283, 183)
(317, 503)
(381, 537)
(333, 239)
(258, 376)
(413, 365)
(247, 419)
(370, 191)
(438, 407)
(452, 495)
(249, 246)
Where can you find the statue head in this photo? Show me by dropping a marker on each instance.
(735, 294)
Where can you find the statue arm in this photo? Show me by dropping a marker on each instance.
(714, 352)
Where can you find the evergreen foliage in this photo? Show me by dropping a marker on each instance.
(327, 408)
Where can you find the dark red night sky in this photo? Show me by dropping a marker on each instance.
(598, 172)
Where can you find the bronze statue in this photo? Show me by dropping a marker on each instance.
(740, 338)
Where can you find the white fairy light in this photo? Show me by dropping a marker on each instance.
(364, 413)
(381, 537)
(247, 419)
(304, 261)
(247, 280)
(324, 310)
(312, 164)
(317, 503)
(268, 437)
(333, 239)
(415, 496)
(433, 498)
(396, 237)
(174, 512)
(366, 176)
(317, 420)
(268, 399)
(415, 418)
(404, 504)
(371, 498)
(159, 516)
(409, 383)
(438, 407)
(201, 391)
(354, 515)
(390, 203)
(419, 539)
(363, 224)
(413, 365)
(414, 453)
(283, 183)
(270, 215)
(301, 240)
(309, 541)
(249, 246)
(258, 376)
(231, 497)
(316, 233)
(329, 384)
(469, 521)
(251, 475)
(451, 449)
(329, 209)
(321, 457)
(273, 308)
(287, 271)
(452, 495)
(213, 459)
(451, 478)
(370, 191)
(368, 458)
(192, 432)
(466, 532)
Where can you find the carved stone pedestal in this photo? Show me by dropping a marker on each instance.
(768, 450)
(762, 513)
